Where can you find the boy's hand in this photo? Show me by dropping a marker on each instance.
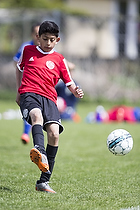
(78, 92)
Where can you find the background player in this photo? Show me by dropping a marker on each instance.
(67, 106)
(34, 31)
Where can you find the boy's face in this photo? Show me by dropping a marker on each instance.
(48, 41)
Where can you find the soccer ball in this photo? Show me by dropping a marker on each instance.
(120, 142)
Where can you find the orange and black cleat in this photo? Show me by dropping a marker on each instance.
(39, 159)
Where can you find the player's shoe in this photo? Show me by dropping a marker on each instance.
(76, 118)
(39, 159)
(25, 138)
(44, 187)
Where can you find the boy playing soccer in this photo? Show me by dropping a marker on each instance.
(39, 70)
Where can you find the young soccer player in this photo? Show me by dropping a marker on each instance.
(34, 31)
(39, 70)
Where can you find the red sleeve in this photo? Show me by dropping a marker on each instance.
(65, 73)
(21, 62)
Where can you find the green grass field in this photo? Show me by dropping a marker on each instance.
(86, 175)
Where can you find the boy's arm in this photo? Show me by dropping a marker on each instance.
(18, 83)
(78, 93)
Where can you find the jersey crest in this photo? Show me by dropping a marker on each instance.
(50, 64)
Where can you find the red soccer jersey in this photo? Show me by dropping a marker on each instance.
(42, 71)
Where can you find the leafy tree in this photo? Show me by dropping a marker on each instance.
(42, 4)
(32, 3)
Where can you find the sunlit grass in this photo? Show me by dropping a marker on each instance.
(86, 175)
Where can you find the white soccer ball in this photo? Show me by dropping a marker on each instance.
(120, 142)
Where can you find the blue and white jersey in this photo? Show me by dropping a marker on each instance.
(20, 50)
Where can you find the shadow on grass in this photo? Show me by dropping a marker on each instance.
(2, 188)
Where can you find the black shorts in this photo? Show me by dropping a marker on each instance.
(50, 113)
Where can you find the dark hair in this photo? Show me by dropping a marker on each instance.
(34, 25)
(49, 27)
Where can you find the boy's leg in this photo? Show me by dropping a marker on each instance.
(38, 153)
(38, 137)
(50, 114)
(51, 150)
(51, 154)
(37, 129)
(42, 184)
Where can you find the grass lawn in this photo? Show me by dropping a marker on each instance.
(86, 175)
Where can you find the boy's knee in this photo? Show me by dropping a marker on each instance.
(53, 138)
(53, 135)
(36, 116)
